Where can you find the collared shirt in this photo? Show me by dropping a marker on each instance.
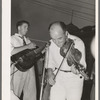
(17, 41)
(55, 58)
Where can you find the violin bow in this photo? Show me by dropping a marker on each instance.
(64, 59)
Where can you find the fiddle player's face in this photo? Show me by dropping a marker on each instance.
(23, 29)
(58, 36)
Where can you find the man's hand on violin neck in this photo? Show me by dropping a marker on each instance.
(74, 70)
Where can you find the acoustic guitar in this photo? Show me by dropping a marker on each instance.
(25, 59)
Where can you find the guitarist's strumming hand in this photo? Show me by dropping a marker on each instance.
(50, 78)
(31, 45)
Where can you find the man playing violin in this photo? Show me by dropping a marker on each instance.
(22, 81)
(68, 84)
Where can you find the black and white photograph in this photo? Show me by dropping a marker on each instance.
(51, 50)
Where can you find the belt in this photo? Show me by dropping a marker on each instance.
(64, 70)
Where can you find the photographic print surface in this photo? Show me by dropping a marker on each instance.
(80, 20)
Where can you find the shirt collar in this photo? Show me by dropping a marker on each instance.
(19, 35)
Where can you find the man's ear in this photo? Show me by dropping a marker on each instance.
(18, 27)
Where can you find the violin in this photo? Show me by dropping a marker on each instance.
(73, 57)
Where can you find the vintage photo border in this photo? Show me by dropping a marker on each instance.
(5, 17)
(0, 47)
(6, 30)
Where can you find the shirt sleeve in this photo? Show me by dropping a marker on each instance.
(51, 62)
(81, 47)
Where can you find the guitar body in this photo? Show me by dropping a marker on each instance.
(25, 59)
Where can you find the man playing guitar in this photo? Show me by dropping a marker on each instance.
(22, 81)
